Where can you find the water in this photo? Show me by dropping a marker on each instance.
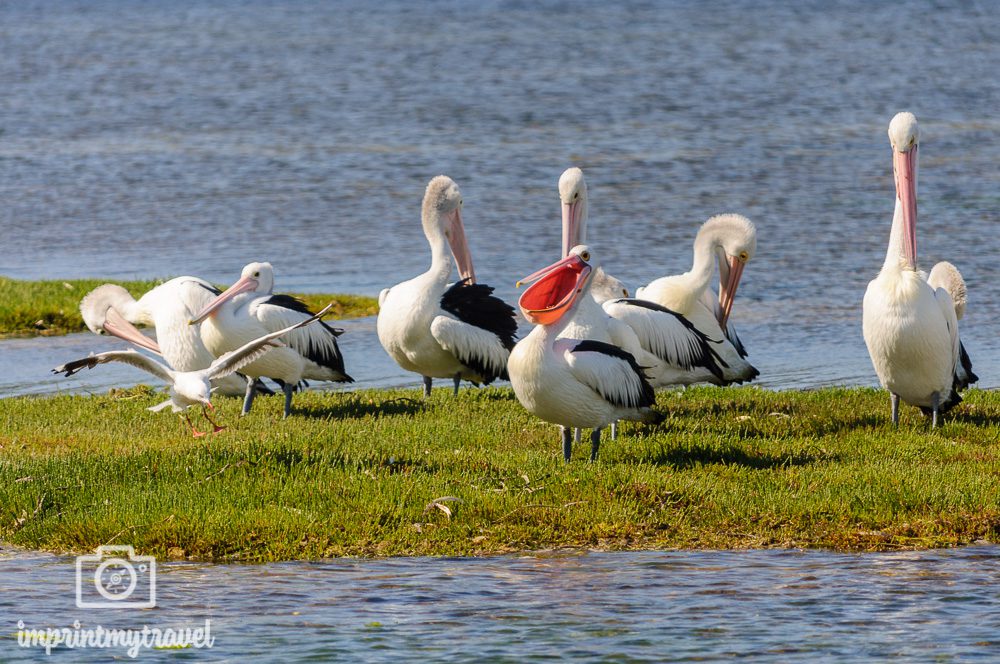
(648, 606)
(192, 138)
(143, 140)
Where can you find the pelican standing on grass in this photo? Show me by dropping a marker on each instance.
(731, 239)
(190, 388)
(911, 324)
(439, 331)
(661, 341)
(574, 383)
(247, 310)
(110, 309)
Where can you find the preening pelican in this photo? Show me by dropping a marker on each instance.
(732, 239)
(190, 388)
(572, 382)
(110, 309)
(247, 310)
(440, 331)
(911, 324)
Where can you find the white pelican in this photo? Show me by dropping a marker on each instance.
(437, 331)
(110, 309)
(911, 325)
(732, 239)
(572, 382)
(663, 342)
(190, 388)
(247, 310)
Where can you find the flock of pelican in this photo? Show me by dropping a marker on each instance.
(595, 355)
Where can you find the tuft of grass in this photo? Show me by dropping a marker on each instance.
(52, 307)
(385, 473)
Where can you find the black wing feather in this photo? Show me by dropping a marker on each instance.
(476, 305)
(325, 356)
(643, 400)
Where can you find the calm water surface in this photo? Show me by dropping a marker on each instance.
(649, 606)
(157, 139)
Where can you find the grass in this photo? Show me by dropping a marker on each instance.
(52, 307)
(383, 473)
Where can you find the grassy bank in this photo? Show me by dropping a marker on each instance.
(52, 307)
(358, 474)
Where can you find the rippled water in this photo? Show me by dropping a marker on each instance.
(649, 606)
(151, 140)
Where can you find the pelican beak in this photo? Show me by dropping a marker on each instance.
(728, 283)
(116, 325)
(571, 227)
(904, 166)
(555, 291)
(460, 247)
(244, 285)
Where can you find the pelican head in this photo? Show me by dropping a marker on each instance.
(442, 214)
(557, 287)
(604, 287)
(255, 278)
(573, 195)
(733, 238)
(102, 310)
(904, 136)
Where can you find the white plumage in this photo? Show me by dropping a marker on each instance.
(911, 323)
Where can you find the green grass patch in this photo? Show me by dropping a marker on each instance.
(53, 307)
(383, 473)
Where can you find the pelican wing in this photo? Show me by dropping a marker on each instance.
(247, 353)
(666, 334)
(475, 304)
(480, 350)
(137, 360)
(609, 371)
(317, 343)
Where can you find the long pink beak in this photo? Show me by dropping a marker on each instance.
(571, 227)
(727, 290)
(116, 325)
(904, 166)
(460, 248)
(244, 285)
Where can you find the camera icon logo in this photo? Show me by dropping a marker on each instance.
(114, 577)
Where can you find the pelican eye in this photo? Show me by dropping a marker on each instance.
(744, 257)
(585, 255)
(576, 195)
(256, 274)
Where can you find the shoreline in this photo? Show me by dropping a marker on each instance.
(381, 473)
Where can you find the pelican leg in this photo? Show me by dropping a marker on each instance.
(577, 434)
(427, 386)
(251, 393)
(935, 407)
(595, 444)
(614, 430)
(204, 412)
(894, 400)
(458, 381)
(194, 432)
(567, 441)
(289, 390)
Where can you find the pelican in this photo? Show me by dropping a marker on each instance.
(190, 388)
(441, 331)
(662, 341)
(247, 310)
(732, 239)
(572, 382)
(110, 309)
(911, 324)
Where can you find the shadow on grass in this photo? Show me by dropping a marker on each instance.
(703, 455)
(358, 409)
